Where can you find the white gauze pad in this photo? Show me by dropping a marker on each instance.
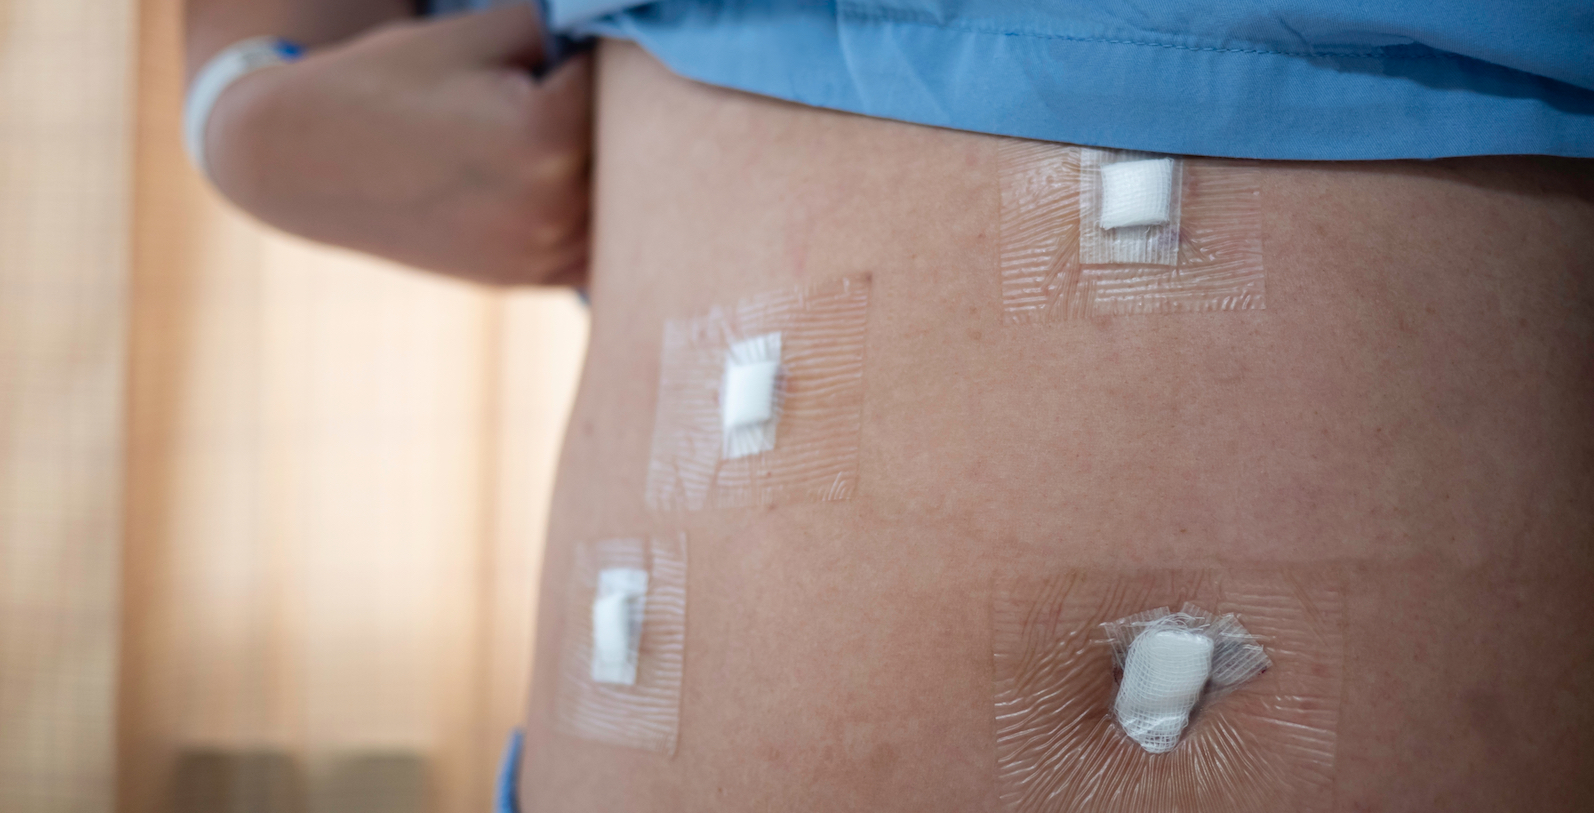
(1164, 674)
(750, 396)
(617, 612)
(1136, 193)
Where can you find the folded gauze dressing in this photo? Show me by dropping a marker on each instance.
(617, 613)
(1136, 193)
(750, 396)
(1164, 674)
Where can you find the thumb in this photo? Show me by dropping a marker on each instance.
(509, 33)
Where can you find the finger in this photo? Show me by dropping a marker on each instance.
(572, 78)
(509, 34)
(563, 100)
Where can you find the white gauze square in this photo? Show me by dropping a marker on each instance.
(1174, 662)
(1164, 674)
(750, 396)
(1136, 193)
(617, 613)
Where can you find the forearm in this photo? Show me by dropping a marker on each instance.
(214, 24)
(428, 143)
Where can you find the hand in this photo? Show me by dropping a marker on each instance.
(426, 142)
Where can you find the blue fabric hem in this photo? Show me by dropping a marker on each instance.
(1389, 102)
(884, 16)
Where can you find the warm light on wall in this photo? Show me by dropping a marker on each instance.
(270, 515)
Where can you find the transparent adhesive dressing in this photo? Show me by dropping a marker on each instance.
(761, 402)
(623, 659)
(1088, 232)
(1104, 706)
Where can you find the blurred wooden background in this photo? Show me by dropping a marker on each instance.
(270, 514)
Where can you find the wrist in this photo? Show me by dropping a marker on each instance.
(224, 70)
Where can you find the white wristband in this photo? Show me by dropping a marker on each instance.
(233, 63)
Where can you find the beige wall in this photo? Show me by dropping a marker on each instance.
(335, 472)
(65, 163)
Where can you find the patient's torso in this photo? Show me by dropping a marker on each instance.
(1386, 439)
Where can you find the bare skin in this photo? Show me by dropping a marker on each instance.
(1410, 413)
